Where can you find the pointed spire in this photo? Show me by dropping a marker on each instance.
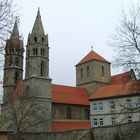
(38, 27)
(15, 32)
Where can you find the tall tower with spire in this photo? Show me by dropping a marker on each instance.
(13, 67)
(37, 84)
(37, 55)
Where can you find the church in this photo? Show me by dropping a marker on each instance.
(59, 107)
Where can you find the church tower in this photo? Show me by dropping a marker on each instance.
(13, 65)
(92, 72)
(37, 83)
(37, 51)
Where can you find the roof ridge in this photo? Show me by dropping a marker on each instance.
(68, 86)
(92, 55)
(121, 73)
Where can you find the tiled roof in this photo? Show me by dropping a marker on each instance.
(69, 95)
(117, 90)
(92, 56)
(121, 78)
(67, 125)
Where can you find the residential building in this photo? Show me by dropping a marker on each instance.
(116, 103)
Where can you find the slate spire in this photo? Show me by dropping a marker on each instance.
(38, 26)
(15, 32)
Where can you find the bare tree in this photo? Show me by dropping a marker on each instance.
(24, 114)
(7, 16)
(126, 40)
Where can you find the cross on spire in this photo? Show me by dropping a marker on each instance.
(91, 48)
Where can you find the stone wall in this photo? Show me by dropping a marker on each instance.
(78, 112)
(120, 132)
(83, 134)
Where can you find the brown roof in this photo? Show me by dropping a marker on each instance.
(117, 90)
(69, 95)
(67, 125)
(92, 55)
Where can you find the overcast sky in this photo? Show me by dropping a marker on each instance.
(73, 27)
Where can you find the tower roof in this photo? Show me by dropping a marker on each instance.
(15, 32)
(38, 26)
(92, 55)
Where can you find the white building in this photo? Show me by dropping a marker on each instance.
(116, 103)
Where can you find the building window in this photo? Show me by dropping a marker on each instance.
(112, 105)
(103, 71)
(42, 51)
(128, 103)
(100, 106)
(42, 39)
(35, 51)
(95, 122)
(88, 71)
(42, 69)
(87, 113)
(95, 106)
(113, 121)
(12, 50)
(10, 61)
(35, 39)
(17, 61)
(81, 73)
(27, 91)
(69, 113)
(28, 67)
(129, 118)
(16, 77)
(101, 121)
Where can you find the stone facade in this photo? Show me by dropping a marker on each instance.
(13, 66)
(92, 75)
(78, 112)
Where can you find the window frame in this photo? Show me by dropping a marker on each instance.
(95, 122)
(100, 106)
(113, 120)
(101, 121)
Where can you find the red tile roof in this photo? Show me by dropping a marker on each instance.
(69, 95)
(67, 125)
(121, 78)
(92, 56)
(117, 90)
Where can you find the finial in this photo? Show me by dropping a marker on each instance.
(91, 48)
(38, 12)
